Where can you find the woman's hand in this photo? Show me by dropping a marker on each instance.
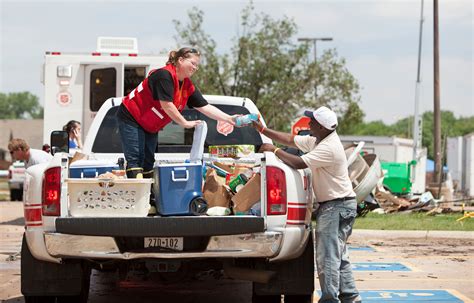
(77, 135)
(267, 147)
(191, 124)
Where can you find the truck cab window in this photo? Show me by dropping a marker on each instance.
(103, 86)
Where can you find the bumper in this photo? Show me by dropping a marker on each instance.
(261, 245)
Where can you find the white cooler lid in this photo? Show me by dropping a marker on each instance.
(92, 163)
(197, 149)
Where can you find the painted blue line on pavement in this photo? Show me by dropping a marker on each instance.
(361, 248)
(395, 296)
(373, 266)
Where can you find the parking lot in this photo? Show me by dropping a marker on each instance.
(389, 267)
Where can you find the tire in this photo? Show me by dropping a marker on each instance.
(40, 299)
(298, 298)
(265, 299)
(45, 282)
(294, 278)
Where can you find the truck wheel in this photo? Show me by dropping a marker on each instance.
(45, 282)
(298, 298)
(265, 299)
(294, 278)
(40, 299)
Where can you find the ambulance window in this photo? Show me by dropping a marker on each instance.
(103, 86)
(133, 77)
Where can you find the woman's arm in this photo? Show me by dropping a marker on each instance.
(171, 110)
(214, 113)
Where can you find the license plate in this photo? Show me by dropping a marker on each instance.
(165, 242)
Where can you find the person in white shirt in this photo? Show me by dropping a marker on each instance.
(326, 159)
(20, 150)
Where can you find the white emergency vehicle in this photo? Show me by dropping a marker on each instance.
(77, 84)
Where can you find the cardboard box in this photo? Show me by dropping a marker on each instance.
(245, 198)
(214, 192)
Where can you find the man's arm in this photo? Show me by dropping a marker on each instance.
(280, 137)
(292, 161)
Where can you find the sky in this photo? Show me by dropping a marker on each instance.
(378, 39)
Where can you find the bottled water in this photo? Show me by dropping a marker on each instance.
(246, 120)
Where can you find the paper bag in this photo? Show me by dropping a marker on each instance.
(248, 195)
(214, 192)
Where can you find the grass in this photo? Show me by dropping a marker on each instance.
(414, 221)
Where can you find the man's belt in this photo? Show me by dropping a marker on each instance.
(339, 200)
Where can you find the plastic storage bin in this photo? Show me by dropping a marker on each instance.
(90, 168)
(109, 197)
(178, 186)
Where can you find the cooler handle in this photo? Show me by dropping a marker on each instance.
(179, 179)
(89, 173)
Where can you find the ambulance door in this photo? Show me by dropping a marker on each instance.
(102, 81)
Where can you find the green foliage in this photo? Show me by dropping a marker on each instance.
(267, 65)
(450, 127)
(414, 221)
(22, 105)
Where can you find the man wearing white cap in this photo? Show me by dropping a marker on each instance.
(332, 187)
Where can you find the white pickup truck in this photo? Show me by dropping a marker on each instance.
(274, 250)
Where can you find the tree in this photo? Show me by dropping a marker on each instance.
(267, 65)
(22, 105)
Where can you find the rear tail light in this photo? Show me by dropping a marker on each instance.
(52, 192)
(276, 191)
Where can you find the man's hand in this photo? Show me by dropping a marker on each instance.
(267, 147)
(258, 125)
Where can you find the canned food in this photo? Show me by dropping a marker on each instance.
(238, 182)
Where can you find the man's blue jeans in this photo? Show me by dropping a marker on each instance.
(334, 222)
(138, 146)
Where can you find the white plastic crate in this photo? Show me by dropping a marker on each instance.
(109, 198)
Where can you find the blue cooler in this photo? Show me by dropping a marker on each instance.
(178, 186)
(90, 168)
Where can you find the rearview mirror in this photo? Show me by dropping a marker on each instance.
(59, 142)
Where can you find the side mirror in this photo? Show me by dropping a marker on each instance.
(59, 142)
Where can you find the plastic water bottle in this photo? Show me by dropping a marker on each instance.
(247, 119)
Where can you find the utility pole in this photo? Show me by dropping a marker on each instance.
(417, 119)
(314, 40)
(437, 110)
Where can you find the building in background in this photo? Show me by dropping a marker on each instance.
(460, 162)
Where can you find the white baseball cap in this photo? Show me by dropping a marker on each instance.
(324, 116)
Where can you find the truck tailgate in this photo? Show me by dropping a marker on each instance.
(161, 226)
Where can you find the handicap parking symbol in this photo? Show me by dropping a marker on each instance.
(373, 266)
(395, 296)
